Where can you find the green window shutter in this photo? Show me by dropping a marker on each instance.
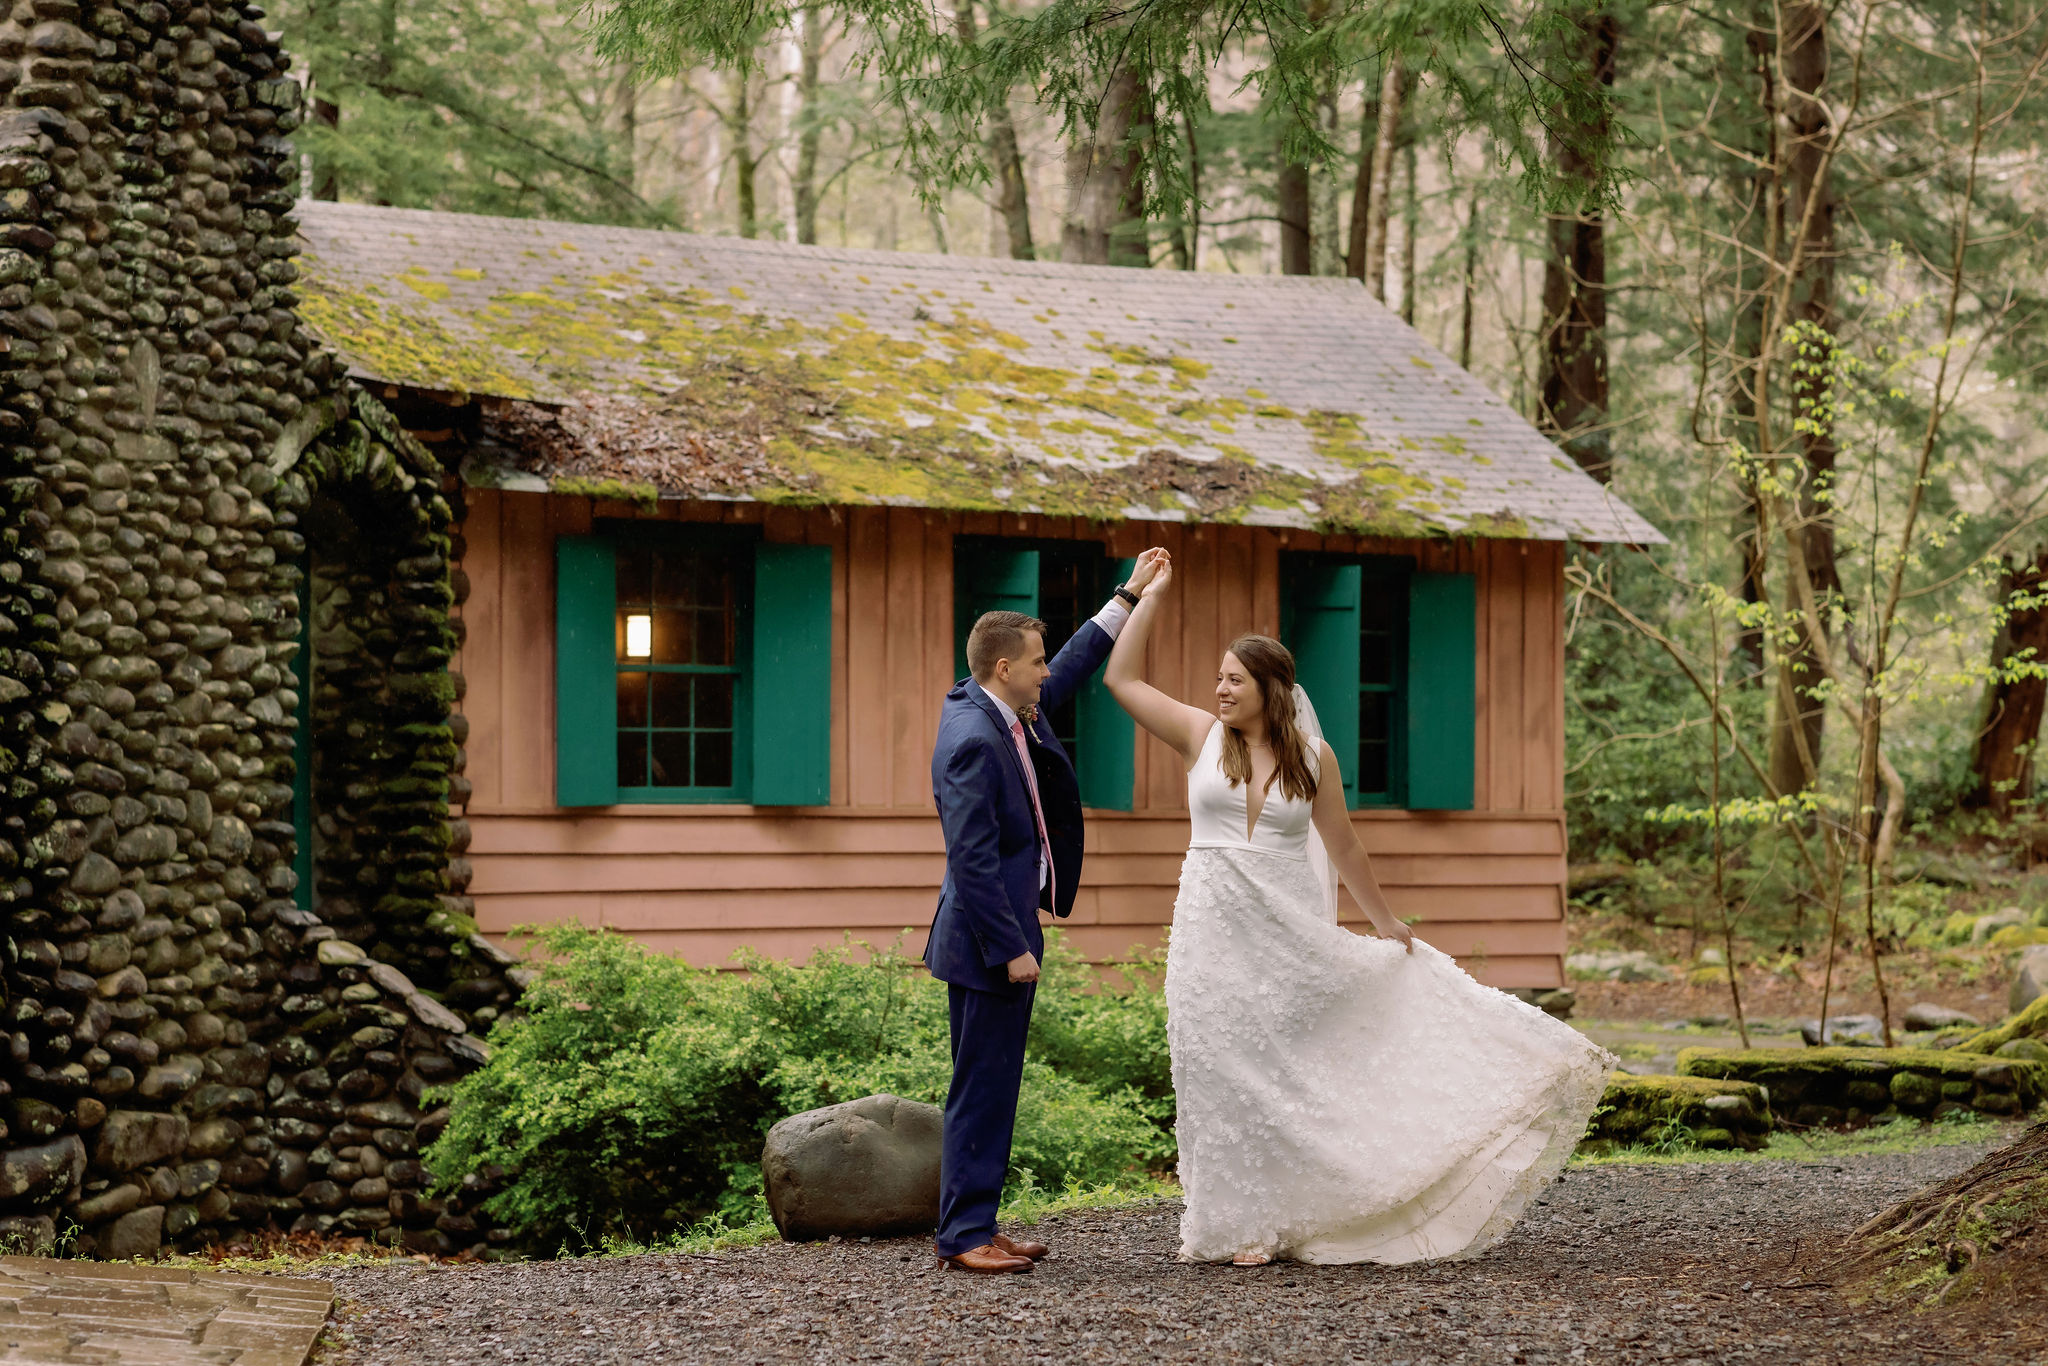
(1107, 737)
(792, 675)
(1322, 630)
(1443, 636)
(989, 576)
(586, 677)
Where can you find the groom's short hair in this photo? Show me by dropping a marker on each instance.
(998, 635)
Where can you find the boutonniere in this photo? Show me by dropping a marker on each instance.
(1028, 714)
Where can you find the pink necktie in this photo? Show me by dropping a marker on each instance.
(1031, 781)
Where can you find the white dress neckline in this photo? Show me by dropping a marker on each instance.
(1219, 811)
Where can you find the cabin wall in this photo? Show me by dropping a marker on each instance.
(703, 881)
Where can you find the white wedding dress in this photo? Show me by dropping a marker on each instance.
(1341, 1100)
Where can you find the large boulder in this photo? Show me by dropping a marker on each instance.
(1864, 1031)
(137, 1138)
(41, 1175)
(138, 1233)
(867, 1168)
(1616, 966)
(1923, 1016)
(2029, 977)
(2007, 917)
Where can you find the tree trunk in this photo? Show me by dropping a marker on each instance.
(1291, 197)
(2009, 722)
(1571, 392)
(1800, 720)
(1013, 196)
(326, 182)
(1326, 253)
(1130, 236)
(1410, 220)
(1393, 82)
(1006, 163)
(1187, 235)
(1361, 190)
(622, 119)
(809, 127)
(1098, 164)
(1470, 282)
(739, 127)
(1757, 178)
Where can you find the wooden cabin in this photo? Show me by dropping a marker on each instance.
(729, 506)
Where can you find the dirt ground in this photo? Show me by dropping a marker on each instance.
(1774, 998)
(1621, 1264)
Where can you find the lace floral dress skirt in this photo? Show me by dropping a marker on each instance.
(1341, 1100)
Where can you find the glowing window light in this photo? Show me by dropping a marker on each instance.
(639, 635)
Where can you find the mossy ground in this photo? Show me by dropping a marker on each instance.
(1977, 1244)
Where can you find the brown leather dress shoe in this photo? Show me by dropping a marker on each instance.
(988, 1259)
(1033, 1251)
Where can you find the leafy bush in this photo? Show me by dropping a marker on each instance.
(633, 1095)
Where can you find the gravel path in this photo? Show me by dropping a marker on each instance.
(1620, 1264)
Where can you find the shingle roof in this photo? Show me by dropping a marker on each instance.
(715, 366)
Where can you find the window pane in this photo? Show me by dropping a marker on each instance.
(673, 573)
(1059, 599)
(671, 758)
(674, 641)
(633, 759)
(632, 700)
(635, 570)
(712, 586)
(714, 637)
(714, 758)
(714, 702)
(1376, 658)
(671, 700)
(1376, 607)
(1372, 769)
(1375, 718)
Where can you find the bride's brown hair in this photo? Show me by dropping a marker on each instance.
(1271, 666)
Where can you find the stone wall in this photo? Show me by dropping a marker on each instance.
(196, 1043)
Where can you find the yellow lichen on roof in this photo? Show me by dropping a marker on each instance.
(754, 370)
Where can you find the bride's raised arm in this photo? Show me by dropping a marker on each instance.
(1178, 724)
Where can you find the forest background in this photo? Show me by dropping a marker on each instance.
(1773, 269)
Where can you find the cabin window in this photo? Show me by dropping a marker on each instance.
(692, 665)
(677, 632)
(1388, 656)
(1063, 584)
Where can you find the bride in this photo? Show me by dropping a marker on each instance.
(1341, 1098)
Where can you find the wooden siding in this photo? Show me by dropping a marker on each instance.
(704, 881)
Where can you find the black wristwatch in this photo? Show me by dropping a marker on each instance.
(1123, 591)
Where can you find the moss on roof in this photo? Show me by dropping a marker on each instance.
(753, 384)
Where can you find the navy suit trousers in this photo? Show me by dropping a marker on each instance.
(981, 1111)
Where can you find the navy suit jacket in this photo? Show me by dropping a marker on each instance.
(988, 907)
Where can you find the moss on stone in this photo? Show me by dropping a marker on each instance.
(1825, 1085)
(1680, 1112)
(2031, 1023)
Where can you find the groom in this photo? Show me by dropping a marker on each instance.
(1011, 810)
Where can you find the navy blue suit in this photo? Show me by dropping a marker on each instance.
(988, 915)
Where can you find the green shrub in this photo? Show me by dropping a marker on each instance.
(633, 1095)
